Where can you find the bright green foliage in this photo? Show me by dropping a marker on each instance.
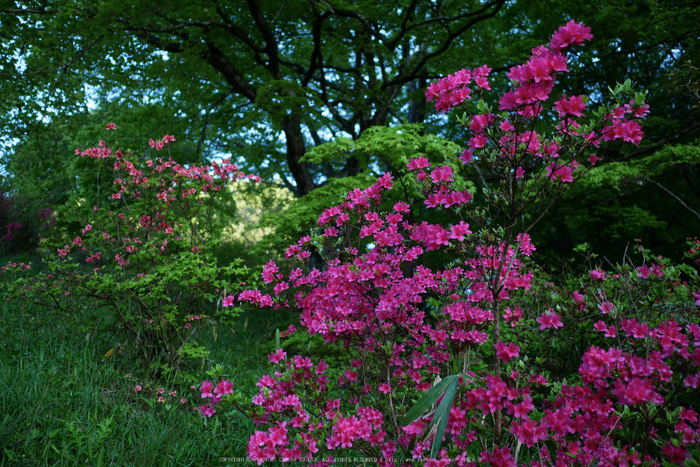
(389, 147)
(383, 149)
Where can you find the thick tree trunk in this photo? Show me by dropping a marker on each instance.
(295, 151)
(416, 107)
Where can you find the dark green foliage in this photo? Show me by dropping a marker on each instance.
(23, 221)
(653, 198)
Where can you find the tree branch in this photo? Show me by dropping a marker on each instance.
(237, 31)
(207, 118)
(217, 59)
(477, 17)
(672, 194)
(271, 47)
(28, 10)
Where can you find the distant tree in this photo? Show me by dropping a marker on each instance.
(283, 75)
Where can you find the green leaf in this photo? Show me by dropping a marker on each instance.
(552, 450)
(442, 414)
(428, 399)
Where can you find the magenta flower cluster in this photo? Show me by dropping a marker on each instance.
(405, 328)
(534, 82)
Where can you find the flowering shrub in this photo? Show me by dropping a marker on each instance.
(620, 398)
(508, 149)
(441, 365)
(144, 254)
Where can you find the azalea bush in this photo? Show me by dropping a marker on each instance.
(461, 365)
(143, 252)
(643, 288)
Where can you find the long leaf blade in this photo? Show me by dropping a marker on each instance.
(442, 414)
(428, 399)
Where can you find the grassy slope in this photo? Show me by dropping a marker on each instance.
(63, 403)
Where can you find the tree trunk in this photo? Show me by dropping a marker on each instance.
(295, 151)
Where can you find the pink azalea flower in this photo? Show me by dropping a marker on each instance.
(598, 274)
(466, 156)
(223, 388)
(459, 231)
(606, 307)
(206, 389)
(525, 407)
(636, 391)
(696, 296)
(628, 131)
(572, 33)
(481, 121)
(277, 356)
(478, 141)
(550, 319)
(207, 410)
(507, 352)
(505, 125)
(571, 106)
(418, 163)
(229, 300)
(644, 271)
(442, 174)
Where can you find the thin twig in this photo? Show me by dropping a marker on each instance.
(670, 193)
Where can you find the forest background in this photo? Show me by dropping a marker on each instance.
(273, 95)
(318, 98)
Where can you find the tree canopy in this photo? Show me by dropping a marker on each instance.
(267, 81)
(264, 79)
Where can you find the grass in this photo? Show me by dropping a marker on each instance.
(63, 402)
